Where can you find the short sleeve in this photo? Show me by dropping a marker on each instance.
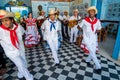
(70, 18)
(81, 24)
(79, 17)
(21, 29)
(26, 20)
(34, 20)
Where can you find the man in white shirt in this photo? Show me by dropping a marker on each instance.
(51, 29)
(65, 23)
(74, 29)
(11, 41)
(40, 21)
(91, 26)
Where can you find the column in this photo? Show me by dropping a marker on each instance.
(116, 50)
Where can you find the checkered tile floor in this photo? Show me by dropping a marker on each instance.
(72, 66)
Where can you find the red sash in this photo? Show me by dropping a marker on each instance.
(13, 35)
(91, 22)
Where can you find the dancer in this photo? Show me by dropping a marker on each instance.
(91, 26)
(11, 41)
(51, 29)
(32, 35)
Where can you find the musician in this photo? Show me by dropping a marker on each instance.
(91, 26)
(41, 15)
(40, 21)
(65, 23)
(74, 29)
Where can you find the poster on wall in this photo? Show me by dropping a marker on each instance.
(19, 11)
(113, 11)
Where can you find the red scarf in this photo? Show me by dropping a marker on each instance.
(13, 35)
(91, 22)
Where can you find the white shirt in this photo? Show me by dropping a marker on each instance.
(74, 18)
(40, 17)
(48, 35)
(7, 45)
(89, 36)
(66, 17)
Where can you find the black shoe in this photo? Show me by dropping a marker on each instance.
(57, 64)
(22, 78)
(88, 64)
(98, 71)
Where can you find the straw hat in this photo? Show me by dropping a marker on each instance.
(42, 11)
(76, 10)
(92, 8)
(52, 12)
(65, 12)
(5, 14)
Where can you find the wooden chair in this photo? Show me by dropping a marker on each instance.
(102, 35)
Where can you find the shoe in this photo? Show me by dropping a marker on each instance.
(22, 78)
(98, 71)
(88, 63)
(86, 51)
(57, 64)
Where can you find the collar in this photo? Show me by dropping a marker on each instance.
(51, 20)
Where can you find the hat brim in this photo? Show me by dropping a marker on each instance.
(10, 14)
(92, 9)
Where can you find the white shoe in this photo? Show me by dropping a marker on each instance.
(19, 75)
(30, 78)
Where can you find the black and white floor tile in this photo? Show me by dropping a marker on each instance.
(72, 66)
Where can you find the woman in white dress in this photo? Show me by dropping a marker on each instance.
(32, 35)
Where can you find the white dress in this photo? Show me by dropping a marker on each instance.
(32, 37)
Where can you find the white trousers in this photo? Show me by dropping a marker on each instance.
(92, 55)
(21, 63)
(54, 48)
(73, 36)
(69, 31)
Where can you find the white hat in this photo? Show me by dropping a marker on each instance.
(92, 8)
(51, 12)
(5, 14)
(76, 10)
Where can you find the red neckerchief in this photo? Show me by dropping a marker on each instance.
(91, 22)
(13, 35)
